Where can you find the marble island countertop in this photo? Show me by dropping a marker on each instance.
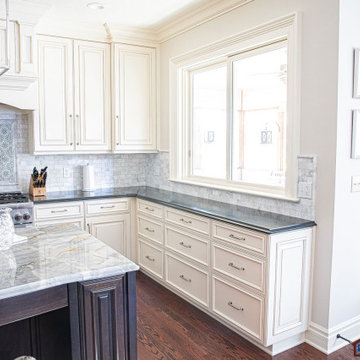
(56, 255)
(254, 219)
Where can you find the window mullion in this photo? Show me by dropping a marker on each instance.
(229, 107)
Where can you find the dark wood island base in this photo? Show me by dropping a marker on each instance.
(89, 320)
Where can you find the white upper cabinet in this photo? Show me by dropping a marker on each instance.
(55, 130)
(22, 51)
(92, 94)
(134, 98)
(74, 96)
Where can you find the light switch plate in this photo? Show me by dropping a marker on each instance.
(355, 183)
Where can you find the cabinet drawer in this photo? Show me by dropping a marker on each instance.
(188, 279)
(239, 307)
(238, 236)
(188, 245)
(241, 267)
(150, 229)
(59, 210)
(150, 209)
(188, 220)
(151, 258)
(106, 206)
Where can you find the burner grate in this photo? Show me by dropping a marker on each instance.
(13, 197)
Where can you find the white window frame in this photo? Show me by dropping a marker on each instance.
(226, 51)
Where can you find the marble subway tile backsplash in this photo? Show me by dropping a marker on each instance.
(158, 175)
(115, 170)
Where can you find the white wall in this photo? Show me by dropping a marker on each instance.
(345, 295)
(318, 104)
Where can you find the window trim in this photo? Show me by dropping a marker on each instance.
(226, 51)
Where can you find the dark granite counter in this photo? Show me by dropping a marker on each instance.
(263, 221)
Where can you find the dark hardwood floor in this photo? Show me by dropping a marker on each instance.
(169, 328)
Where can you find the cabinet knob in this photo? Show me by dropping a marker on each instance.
(77, 144)
(71, 144)
(117, 116)
(117, 143)
(70, 116)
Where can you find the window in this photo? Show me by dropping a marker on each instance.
(236, 118)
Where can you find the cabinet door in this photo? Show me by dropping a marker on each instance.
(134, 98)
(92, 96)
(107, 314)
(54, 131)
(113, 230)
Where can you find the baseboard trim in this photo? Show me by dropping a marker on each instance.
(325, 339)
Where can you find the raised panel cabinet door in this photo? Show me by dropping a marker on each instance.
(92, 96)
(55, 127)
(107, 316)
(113, 231)
(135, 98)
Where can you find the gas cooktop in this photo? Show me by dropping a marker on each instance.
(13, 197)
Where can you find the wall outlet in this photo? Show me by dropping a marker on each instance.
(355, 183)
(66, 172)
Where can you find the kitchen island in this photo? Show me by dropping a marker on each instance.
(66, 295)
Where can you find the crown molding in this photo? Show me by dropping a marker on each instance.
(200, 15)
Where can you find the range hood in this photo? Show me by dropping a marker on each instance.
(6, 61)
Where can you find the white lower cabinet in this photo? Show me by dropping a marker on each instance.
(151, 258)
(113, 230)
(238, 306)
(108, 220)
(256, 283)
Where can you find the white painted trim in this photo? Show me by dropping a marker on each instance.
(325, 339)
(200, 15)
(284, 28)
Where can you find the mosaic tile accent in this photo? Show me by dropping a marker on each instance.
(7, 153)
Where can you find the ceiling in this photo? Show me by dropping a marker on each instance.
(147, 14)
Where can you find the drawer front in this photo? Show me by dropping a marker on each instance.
(188, 245)
(151, 258)
(150, 229)
(150, 209)
(238, 236)
(188, 279)
(238, 266)
(241, 308)
(188, 221)
(106, 206)
(59, 210)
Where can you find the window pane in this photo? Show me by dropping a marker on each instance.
(259, 118)
(209, 123)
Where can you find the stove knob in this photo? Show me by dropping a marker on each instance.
(26, 217)
(18, 217)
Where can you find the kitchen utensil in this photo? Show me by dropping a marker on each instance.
(7, 230)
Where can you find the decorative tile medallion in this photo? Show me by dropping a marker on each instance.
(7, 153)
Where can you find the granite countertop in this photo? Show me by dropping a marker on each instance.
(56, 255)
(263, 221)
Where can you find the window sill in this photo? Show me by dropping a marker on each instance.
(238, 190)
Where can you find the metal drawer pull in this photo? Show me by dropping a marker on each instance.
(107, 207)
(237, 238)
(58, 211)
(235, 307)
(150, 230)
(186, 222)
(236, 267)
(184, 278)
(184, 245)
(149, 258)
(150, 209)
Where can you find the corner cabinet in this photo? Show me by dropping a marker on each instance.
(74, 96)
(134, 98)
